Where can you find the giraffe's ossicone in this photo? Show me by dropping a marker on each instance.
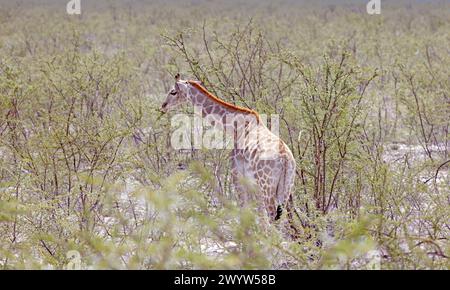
(262, 165)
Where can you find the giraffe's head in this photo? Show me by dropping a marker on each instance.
(177, 95)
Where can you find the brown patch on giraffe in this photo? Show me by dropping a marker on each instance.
(281, 147)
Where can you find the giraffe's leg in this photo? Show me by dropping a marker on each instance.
(240, 178)
(290, 227)
(267, 201)
(267, 208)
(268, 180)
(277, 198)
(239, 187)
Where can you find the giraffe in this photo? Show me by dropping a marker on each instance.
(262, 165)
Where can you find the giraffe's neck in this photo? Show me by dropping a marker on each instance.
(230, 118)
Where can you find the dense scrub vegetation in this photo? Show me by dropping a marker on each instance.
(86, 163)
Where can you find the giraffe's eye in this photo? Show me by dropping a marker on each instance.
(173, 93)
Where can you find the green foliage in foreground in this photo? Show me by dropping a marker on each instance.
(86, 163)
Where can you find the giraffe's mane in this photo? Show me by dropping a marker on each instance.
(222, 102)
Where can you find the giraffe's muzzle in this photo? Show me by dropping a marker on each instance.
(164, 107)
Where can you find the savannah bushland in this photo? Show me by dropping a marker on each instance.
(87, 170)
